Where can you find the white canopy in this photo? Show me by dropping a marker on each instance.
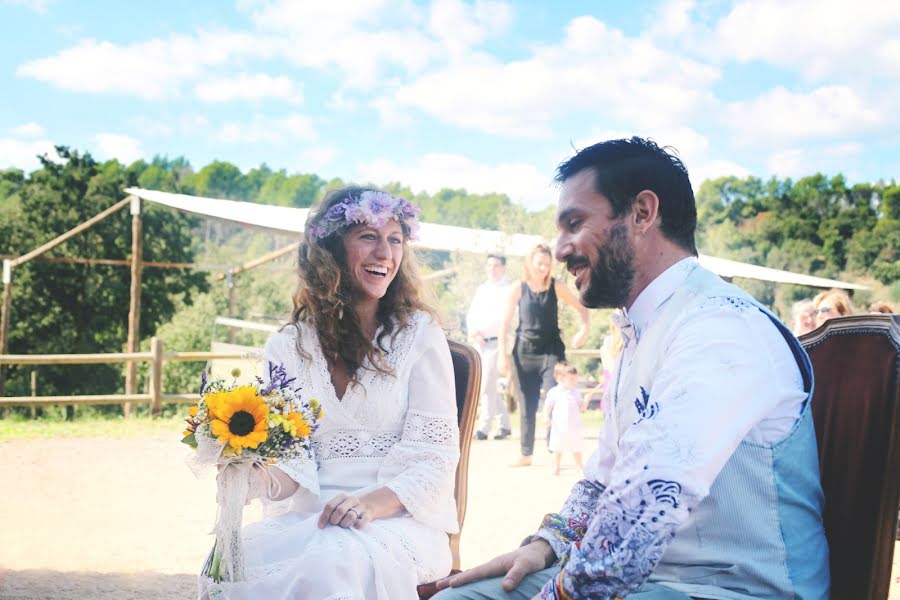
(442, 237)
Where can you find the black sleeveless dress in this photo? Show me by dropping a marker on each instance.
(537, 349)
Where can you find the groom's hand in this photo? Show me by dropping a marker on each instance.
(536, 556)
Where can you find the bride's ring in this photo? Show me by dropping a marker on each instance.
(358, 516)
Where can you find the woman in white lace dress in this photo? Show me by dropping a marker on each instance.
(369, 516)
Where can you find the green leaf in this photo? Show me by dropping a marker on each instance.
(190, 440)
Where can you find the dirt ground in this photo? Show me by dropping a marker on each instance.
(126, 519)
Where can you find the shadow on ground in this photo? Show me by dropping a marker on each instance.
(83, 585)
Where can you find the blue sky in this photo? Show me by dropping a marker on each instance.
(488, 95)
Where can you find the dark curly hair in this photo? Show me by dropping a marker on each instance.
(624, 168)
(324, 297)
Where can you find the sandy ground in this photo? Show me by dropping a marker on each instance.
(125, 518)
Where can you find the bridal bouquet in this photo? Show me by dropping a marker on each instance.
(240, 428)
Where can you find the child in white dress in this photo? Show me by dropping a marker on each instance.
(563, 409)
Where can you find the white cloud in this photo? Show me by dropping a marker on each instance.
(780, 115)
(28, 130)
(803, 161)
(713, 169)
(522, 182)
(815, 37)
(248, 87)
(847, 149)
(272, 130)
(318, 157)
(594, 68)
(22, 154)
(362, 38)
(38, 6)
(121, 147)
(674, 18)
(153, 70)
(459, 26)
(164, 126)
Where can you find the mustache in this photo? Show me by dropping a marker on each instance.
(576, 261)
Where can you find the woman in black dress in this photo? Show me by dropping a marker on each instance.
(538, 345)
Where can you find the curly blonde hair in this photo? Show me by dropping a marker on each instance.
(324, 298)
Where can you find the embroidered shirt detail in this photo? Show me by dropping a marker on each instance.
(623, 542)
(644, 409)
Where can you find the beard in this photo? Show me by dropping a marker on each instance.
(613, 273)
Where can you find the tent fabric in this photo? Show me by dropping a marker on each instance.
(433, 236)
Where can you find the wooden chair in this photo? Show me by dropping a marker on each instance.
(856, 410)
(467, 373)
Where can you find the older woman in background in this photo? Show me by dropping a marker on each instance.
(831, 304)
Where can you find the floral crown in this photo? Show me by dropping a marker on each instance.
(372, 208)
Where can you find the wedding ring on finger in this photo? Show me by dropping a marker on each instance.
(355, 512)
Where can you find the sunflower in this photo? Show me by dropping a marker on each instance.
(239, 417)
(299, 426)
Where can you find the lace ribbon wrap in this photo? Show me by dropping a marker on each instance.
(236, 483)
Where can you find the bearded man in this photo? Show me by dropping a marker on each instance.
(705, 483)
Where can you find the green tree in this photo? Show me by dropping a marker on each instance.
(300, 191)
(76, 308)
(221, 179)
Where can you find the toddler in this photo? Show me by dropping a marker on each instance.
(563, 409)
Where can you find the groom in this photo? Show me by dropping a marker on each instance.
(705, 483)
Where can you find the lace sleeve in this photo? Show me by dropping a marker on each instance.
(421, 467)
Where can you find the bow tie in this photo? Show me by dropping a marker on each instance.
(625, 326)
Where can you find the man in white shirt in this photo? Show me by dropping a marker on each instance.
(705, 482)
(483, 325)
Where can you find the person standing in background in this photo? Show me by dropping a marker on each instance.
(538, 346)
(483, 325)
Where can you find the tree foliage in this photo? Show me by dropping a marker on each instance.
(816, 225)
(78, 308)
(819, 225)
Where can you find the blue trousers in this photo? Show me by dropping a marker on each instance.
(489, 589)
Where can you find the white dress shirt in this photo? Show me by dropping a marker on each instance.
(487, 308)
(728, 376)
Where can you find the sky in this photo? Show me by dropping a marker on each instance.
(486, 95)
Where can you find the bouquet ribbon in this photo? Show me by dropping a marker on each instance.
(233, 491)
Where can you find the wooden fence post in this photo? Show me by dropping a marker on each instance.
(232, 302)
(156, 367)
(5, 308)
(134, 310)
(33, 393)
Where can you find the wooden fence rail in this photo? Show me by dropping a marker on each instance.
(156, 357)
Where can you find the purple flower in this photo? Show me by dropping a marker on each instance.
(371, 207)
(336, 212)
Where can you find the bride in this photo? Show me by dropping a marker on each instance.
(369, 516)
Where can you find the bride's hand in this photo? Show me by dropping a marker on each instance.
(345, 511)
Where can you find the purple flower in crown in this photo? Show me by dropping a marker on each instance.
(356, 214)
(407, 210)
(371, 207)
(336, 212)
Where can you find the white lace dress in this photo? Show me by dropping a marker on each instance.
(399, 432)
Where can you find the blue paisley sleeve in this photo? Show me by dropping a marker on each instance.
(623, 542)
(562, 529)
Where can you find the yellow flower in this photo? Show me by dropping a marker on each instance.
(239, 417)
(300, 428)
(193, 410)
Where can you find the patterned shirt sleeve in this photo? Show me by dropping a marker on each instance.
(567, 526)
(704, 399)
